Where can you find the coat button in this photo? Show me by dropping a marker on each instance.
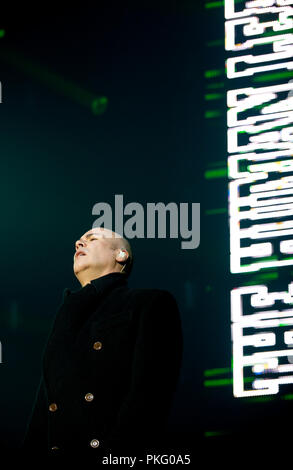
(53, 407)
(94, 443)
(89, 397)
(97, 345)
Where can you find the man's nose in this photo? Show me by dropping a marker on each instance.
(79, 244)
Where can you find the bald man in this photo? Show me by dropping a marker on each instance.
(111, 363)
(109, 253)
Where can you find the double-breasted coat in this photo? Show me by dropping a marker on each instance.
(109, 371)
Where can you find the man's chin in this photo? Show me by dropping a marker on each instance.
(79, 267)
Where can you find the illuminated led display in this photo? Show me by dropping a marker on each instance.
(260, 143)
(262, 333)
(259, 44)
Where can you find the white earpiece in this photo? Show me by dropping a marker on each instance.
(122, 254)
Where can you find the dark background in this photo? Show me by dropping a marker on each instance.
(152, 144)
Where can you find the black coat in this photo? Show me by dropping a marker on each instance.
(110, 369)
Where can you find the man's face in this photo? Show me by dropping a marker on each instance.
(95, 251)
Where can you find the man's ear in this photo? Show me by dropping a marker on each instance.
(122, 255)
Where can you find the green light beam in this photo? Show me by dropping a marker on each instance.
(97, 104)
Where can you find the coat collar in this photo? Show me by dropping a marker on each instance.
(82, 303)
(108, 281)
(103, 283)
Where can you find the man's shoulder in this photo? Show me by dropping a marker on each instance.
(145, 295)
(154, 305)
